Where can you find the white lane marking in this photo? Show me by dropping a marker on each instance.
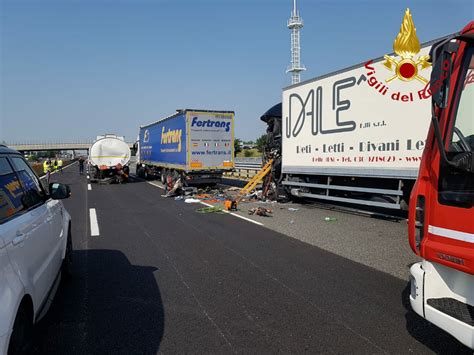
(234, 214)
(89, 187)
(206, 204)
(57, 171)
(151, 183)
(88, 176)
(94, 223)
(452, 234)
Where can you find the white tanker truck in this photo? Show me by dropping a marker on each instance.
(109, 157)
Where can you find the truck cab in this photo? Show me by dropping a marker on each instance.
(441, 214)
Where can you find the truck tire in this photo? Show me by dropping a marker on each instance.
(163, 174)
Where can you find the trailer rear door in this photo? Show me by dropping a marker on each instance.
(210, 140)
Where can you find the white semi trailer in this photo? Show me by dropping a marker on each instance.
(109, 157)
(354, 136)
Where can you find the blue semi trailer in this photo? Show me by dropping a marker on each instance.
(197, 145)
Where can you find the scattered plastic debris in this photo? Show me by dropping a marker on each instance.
(192, 200)
(291, 209)
(227, 198)
(330, 219)
(189, 190)
(257, 194)
(230, 204)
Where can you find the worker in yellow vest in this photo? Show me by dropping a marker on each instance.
(46, 165)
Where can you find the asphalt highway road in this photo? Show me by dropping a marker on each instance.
(161, 278)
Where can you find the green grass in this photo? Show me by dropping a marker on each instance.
(249, 153)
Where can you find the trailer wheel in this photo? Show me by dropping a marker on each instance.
(163, 174)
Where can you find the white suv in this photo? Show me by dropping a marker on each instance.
(35, 249)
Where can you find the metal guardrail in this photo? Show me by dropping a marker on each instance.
(245, 170)
(251, 160)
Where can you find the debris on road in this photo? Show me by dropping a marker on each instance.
(189, 190)
(175, 190)
(192, 200)
(291, 209)
(210, 210)
(330, 219)
(260, 211)
(223, 199)
(230, 204)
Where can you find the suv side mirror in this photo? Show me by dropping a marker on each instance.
(59, 191)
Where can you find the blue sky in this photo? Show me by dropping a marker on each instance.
(74, 69)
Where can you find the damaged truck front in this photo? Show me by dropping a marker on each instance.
(194, 145)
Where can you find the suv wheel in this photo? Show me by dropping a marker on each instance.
(66, 267)
(22, 334)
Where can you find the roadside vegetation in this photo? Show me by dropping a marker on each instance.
(249, 153)
(249, 149)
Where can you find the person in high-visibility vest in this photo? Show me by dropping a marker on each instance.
(60, 165)
(47, 166)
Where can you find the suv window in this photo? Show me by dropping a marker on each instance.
(34, 193)
(11, 193)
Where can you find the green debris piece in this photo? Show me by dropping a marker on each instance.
(210, 210)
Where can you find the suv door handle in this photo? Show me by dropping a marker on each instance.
(20, 237)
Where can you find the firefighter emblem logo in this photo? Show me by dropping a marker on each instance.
(407, 46)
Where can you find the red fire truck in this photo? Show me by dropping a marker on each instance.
(441, 213)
